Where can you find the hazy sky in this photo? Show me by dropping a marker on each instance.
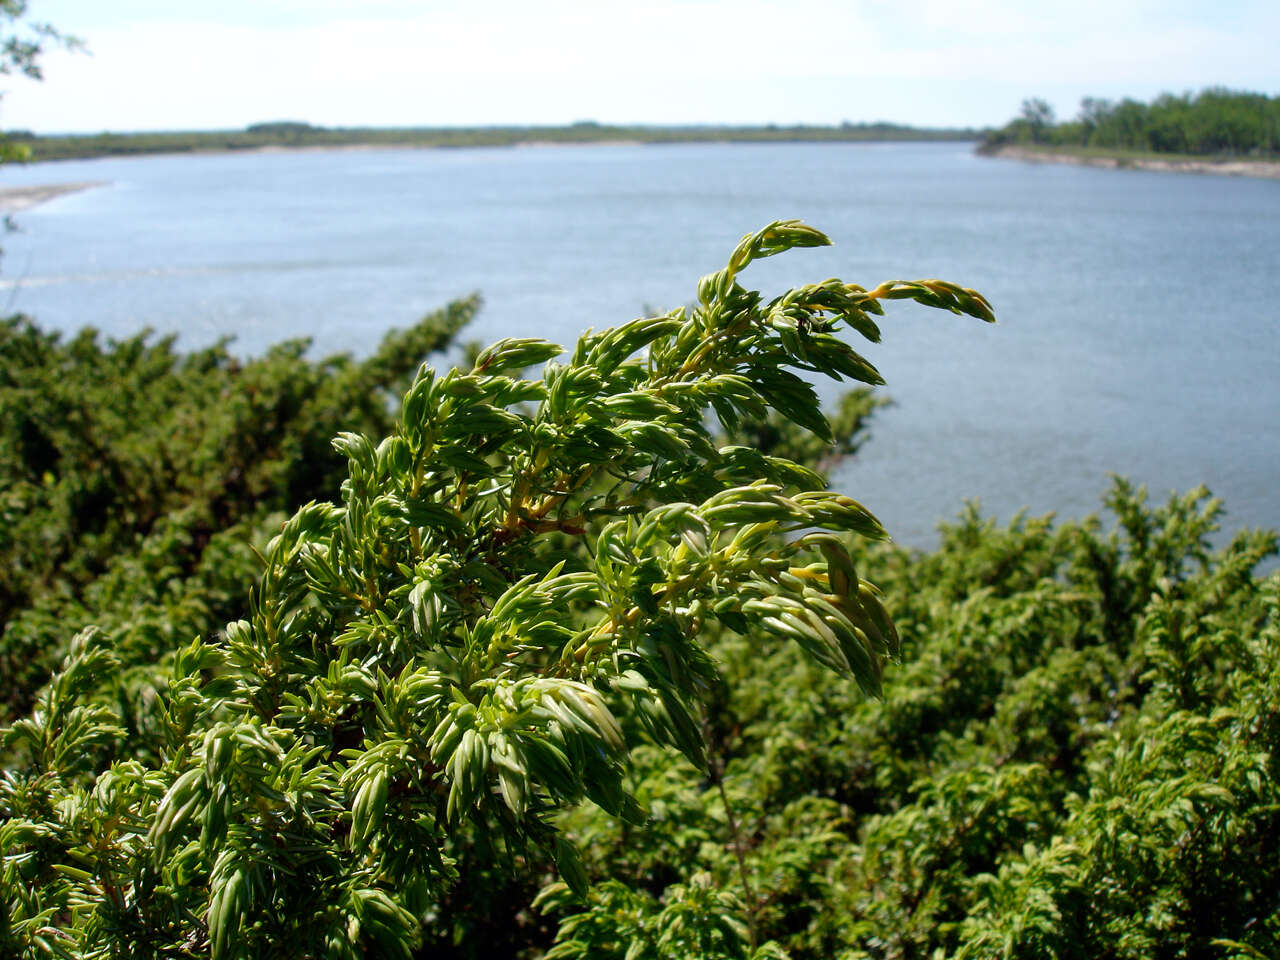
(199, 64)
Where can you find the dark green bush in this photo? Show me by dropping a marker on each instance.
(133, 478)
(540, 591)
(510, 594)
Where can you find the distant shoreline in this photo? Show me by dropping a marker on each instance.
(16, 199)
(1266, 169)
(292, 136)
(366, 147)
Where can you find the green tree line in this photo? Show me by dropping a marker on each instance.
(1213, 122)
(587, 662)
(294, 134)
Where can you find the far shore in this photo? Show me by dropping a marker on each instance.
(17, 199)
(1127, 161)
(292, 136)
(364, 147)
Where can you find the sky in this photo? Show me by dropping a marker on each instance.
(203, 65)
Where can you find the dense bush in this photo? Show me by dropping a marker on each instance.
(1077, 758)
(133, 479)
(539, 592)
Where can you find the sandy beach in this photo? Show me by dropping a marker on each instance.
(1224, 168)
(17, 199)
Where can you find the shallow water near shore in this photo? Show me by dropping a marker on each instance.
(1137, 328)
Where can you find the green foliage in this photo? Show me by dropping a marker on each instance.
(694, 921)
(512, 593)
(133, 478)
(538, 591)
(1077, 758)
(777, 436)
(24, 40)
(1214, 121)
(22, 43)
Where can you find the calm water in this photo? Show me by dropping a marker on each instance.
(1137, 311)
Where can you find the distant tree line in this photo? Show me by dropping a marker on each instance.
(1212, 122)
(298, 134)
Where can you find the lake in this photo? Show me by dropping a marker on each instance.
(1137, 310)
